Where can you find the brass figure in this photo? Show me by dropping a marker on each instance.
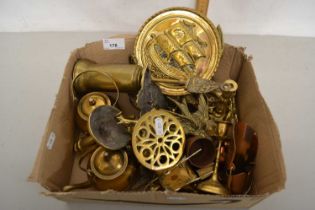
(87, 104)
(158, 140)
(89, 76)
(177, 44)
(213, 184)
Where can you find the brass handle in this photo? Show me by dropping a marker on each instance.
(202, 6)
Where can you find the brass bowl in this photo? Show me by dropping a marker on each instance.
(120, 183)
(107, 164)
(86, 106)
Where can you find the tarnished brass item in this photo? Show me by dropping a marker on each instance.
(221, 102)
(177, 44)
(104, 127)
(207, 154)
(158, 140)
(213, 184)
(89, 76)
(86, 106)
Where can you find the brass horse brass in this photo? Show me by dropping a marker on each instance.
(158, 140)
(178, 44)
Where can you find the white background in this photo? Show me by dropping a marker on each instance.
(31, 67)
(279, 17)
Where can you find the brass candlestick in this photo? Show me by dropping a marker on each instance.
(213, 184)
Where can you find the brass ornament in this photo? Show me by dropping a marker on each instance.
(158, 140)
(87, 104)
(177, 44)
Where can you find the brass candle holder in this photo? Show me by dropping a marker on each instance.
(213, 184)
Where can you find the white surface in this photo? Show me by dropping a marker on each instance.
(281, 17)
(31, 66)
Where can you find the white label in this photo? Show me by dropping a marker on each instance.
(51, 140)
(159, 126)
(114, 44)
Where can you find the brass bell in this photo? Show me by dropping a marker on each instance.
(86, 105)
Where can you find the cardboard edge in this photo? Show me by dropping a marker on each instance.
(279, 184)
(162, 198)
(35, 173)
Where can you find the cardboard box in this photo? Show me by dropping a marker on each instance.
(56, 166)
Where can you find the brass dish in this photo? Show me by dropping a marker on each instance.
(158, 140)
(177, 44)
(105, 129)
(87, 104)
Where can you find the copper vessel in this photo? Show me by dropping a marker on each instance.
(207, 154)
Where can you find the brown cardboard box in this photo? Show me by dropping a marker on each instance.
(54, 166)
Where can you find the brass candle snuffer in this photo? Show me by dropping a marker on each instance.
(188, 123)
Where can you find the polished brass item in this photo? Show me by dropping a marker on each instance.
(177, 44)
(89, 76)
(107, 170)
(87, 104)
(213, 184)
(207, 154)
(158, 140)
(107, 164)
(105, 128)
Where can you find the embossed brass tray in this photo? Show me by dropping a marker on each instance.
(177, 44)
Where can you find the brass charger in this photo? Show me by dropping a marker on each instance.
(178, 44)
